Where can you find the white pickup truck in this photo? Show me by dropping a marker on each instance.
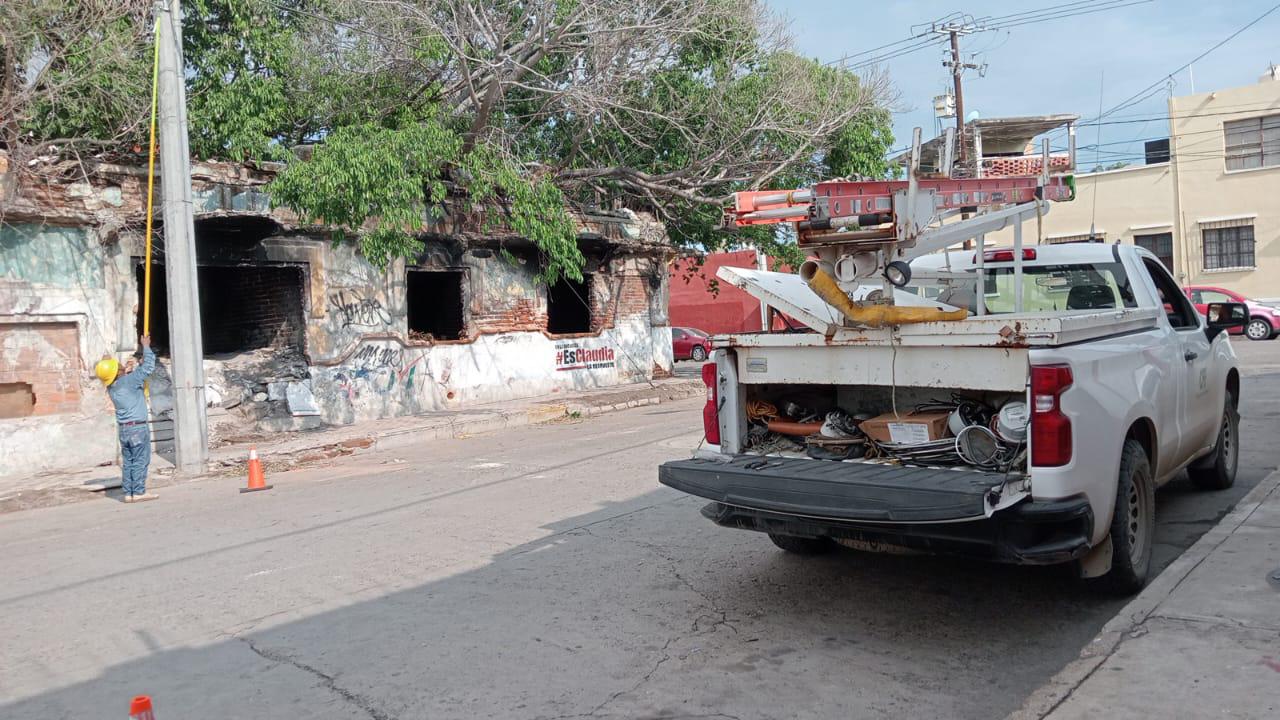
(1125, 386)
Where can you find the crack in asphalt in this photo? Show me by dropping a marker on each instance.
(673, 567)
(327, 680)
(594, 712)
(718, 614)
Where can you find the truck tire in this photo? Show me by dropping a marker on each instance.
(1217, 471)
(1132, 523)
(803, 545)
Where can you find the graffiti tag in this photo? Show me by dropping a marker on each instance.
(359, 311)
(374, 357)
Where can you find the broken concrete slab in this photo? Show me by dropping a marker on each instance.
(301, 402)
(276, 390)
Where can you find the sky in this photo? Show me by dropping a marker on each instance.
(1057, 66)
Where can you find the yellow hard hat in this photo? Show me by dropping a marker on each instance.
(106, 370)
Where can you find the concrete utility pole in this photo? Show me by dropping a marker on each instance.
(186, 348)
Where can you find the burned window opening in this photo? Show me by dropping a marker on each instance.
(241, 308)
(433, 300)
(569, 306)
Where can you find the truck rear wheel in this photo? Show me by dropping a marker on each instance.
(803, 545)
(1132, 523)
(1218, 470)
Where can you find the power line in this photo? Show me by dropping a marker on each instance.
(846, 58)
(990, 20)
(1147, 91)
(1064, 15)
(897, 53)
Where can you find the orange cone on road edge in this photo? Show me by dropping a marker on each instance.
(140, 708)
(256, 479)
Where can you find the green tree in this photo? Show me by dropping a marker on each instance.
(73, 74)
(528, 106)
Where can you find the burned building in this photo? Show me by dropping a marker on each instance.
(299, 331)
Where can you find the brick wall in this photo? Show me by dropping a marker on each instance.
(612, 297)
(627, 296)
(45, 356)
(521, 315)
(243, 308)
(1022, 166)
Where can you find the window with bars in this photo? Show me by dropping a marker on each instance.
(1228, 247)
(1252, 143)
(1160, 245)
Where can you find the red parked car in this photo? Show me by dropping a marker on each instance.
(1264, 320)
(690, 344)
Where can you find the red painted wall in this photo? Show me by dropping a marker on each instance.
(730, 310)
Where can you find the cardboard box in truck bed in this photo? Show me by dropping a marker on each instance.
(907, 427)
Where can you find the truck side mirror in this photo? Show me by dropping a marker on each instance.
(1225, 316)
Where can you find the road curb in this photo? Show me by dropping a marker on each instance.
(492, 422)
(1053, 693)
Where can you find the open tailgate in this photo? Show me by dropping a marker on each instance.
(853, 491)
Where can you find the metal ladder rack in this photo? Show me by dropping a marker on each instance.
(861, 231)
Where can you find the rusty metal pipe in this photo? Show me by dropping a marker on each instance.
(865, 220)
(875, 315)
(812, 237)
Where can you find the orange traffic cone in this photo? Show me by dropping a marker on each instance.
(140, 708)
(256, 479)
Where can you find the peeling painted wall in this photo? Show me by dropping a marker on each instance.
(68, 253)
(365, 367)
(53, 276)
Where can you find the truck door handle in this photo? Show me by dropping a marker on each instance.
(1190, 355)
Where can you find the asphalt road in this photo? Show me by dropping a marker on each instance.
(536, 573)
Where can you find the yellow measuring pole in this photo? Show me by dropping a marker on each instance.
(151, 192)
(151, 185)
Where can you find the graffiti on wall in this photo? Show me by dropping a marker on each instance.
(571, 356)
(374, 357)
(358, 311)
(385, 368)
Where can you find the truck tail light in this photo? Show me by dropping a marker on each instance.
(711, 411)
(1050, 428)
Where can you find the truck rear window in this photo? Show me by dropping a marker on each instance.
(1047, 288)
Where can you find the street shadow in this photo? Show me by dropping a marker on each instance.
(642, 609)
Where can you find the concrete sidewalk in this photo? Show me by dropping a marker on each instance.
(1202, 640)
(283, 451)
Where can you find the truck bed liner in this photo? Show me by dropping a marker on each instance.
(835, 490)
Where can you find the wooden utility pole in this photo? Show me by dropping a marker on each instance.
(186, 347)
(955, 30)
(956, 69)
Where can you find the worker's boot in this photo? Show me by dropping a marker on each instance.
(144, 497)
